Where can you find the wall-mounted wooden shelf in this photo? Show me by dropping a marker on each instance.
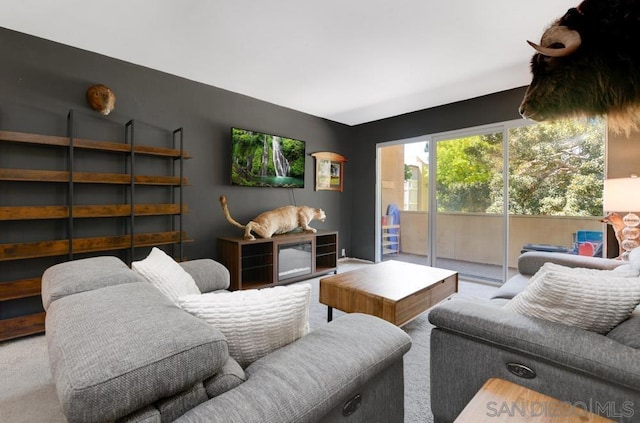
(26, 250)
(103, 210)
(81, 143)
(67, 210)
(20, 289)
(27, 175)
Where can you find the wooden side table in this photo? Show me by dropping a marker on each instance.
(502, 401)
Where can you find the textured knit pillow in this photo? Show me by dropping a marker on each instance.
(634, 259)
(166, 274)
(592, 300)
(255, 321)
(620, 271)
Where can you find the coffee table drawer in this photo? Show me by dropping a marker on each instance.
(410, 307)
(444, 289)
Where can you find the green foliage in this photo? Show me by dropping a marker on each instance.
(253, 158)
(407, 172)
(557, 168)
(466, 167)
(294, 152)
(554, 169)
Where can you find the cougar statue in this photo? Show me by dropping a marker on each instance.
(277, 221)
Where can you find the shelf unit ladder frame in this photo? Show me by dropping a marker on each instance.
(178, 136)
(129, 138)
(70, 193)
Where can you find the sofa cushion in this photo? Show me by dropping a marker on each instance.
(166, 275)
(120, 348)
(254, 321)
(148, 414)
(208, 274)
(628, 332)
(586, 298)
(82, 275)
(512, 287)
(530, 262)
(176, 405)
(226, 379)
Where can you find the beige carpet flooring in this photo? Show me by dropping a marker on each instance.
(27, 393)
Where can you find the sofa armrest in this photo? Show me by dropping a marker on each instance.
(530, 262)
(208, 274)
(563, 345)
(306, 380)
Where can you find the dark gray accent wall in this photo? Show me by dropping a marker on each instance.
(41, 80)
(498, 107)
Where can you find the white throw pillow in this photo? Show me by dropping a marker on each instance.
(166, 274)
(620, 271)
(255, 321)
(593, 300)
(626, 270)
(634, 259)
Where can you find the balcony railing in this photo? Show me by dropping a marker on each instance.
(478, 238)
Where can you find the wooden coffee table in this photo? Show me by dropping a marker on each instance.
(502, 401)
(395, 291)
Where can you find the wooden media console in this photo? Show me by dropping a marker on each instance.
(278, 260)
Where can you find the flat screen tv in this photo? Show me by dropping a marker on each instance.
(263, 160)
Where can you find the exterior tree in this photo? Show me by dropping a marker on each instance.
(554, 169)
(466, 168)
(557, 168)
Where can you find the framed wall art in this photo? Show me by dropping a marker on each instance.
(329, 171)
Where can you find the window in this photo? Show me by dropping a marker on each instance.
(551, 173)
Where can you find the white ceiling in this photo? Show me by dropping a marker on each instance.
(351, 61)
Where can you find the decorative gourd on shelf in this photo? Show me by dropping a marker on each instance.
(101, 98)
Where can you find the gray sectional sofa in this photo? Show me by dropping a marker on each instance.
(474, 340)
(121, 351)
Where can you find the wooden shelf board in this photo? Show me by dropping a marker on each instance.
(27, 250)
(20, 289)
(104, 210)
(29, 175)
(21, 326)
(117, 147)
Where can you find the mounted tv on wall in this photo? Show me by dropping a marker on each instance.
(263, 160)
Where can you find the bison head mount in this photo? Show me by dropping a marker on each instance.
(587, 64)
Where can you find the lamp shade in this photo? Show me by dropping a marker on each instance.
(621, 195)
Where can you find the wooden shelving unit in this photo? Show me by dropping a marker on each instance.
(66, 215)
(255, 263)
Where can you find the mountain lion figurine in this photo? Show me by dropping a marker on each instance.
(277, 221)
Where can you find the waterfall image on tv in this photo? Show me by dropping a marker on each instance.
(263, 160)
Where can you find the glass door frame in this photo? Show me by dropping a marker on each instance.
(432, 246)
(432, 140)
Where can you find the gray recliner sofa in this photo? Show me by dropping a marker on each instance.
(475, 339)
(121, 351)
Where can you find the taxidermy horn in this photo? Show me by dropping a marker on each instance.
(558, 35)
(101, 98)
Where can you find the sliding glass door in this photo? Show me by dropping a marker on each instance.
(469, 216)
(473, 200)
